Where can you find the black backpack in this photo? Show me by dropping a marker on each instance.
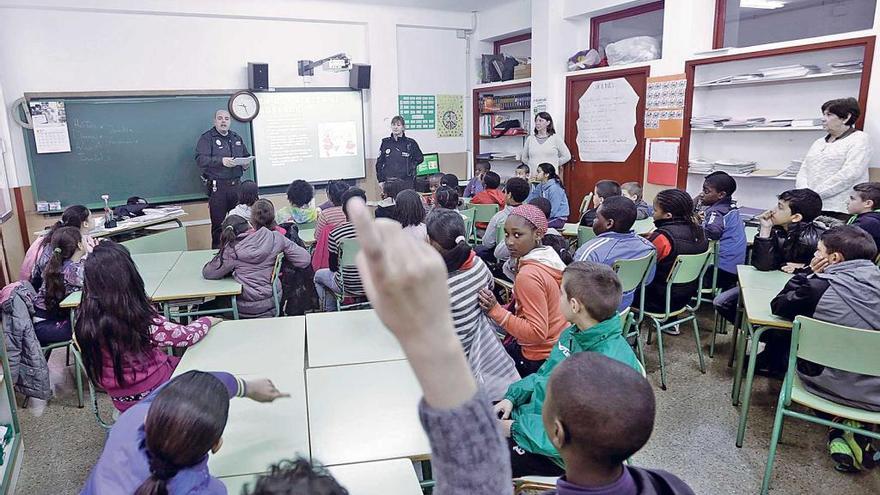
(298, 294)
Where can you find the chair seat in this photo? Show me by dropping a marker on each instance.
(802, 396)
(504, 284)
(661, 316)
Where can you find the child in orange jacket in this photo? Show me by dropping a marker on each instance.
(490, 195)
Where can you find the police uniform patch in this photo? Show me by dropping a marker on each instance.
(387, 151)
(219, 143)
(238, 143)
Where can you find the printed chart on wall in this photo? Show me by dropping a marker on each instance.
(664, 106)
(418, 111)
(606, 121)
(450, 109)
(663, 161)
(50, 126)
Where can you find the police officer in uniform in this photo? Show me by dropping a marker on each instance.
(214, 153)
(398, 156)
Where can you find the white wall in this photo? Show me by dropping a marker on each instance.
(67, 45)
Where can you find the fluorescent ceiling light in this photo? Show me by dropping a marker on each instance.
(762, 4)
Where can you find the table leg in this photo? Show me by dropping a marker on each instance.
(750, 376)
(740, 352)
(737, 325)
(234, 307)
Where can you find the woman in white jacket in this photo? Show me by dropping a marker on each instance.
(838, 161)
(544, 145)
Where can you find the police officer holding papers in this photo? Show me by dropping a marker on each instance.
(216, 152)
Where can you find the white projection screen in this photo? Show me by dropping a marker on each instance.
(314, 135)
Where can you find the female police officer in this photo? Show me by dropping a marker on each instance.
(398, 156)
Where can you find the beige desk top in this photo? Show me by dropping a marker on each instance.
(185, 280)
(349, 337)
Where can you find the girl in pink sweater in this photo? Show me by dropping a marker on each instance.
(119, 332)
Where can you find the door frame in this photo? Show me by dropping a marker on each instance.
(571, 122)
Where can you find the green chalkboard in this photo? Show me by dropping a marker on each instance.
(128, 146)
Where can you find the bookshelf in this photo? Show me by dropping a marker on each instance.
(789, 97)
(507, 100)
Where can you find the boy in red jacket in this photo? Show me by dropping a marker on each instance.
(490, 194)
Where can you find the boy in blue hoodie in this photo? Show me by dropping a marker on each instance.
(615, 239)
(723, 223)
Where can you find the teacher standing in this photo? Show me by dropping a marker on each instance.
(838, 161)
(399, 156)
(214, 153)
(544, 145)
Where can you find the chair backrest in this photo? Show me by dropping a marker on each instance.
(585, 234)
(306, 225)
(688, 267)
(632, 273)
(836, 346)
(585, 204)
(484, 213)
(348, 250)
(499, 233)
(276, 290)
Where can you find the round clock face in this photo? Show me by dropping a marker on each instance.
(244, 106)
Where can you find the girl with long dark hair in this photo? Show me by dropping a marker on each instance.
(544, 145)
(62, 275)
(468, 275)
(36, 257)
(550, 187)
(121, 335)
(161, 445)
(409, 211)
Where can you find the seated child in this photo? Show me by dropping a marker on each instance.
(250, 257)
(723, 223)
(515, 193)
(523, 172)
(489, 195)
(589, 299)
(433, 185)
(586, 395)
(161, 445)
(549, 186)
(615, 240)
(329, 281)
(864, 206)
(37, 256)
(552, 238)
(121, 336)
(248, 194)
(604, 189)
(299, 195)
(328, 218)
(409, 211)
(676, 232)
(786, 240)
(450, 180)
(535, 322)
(446, 197)
(633, 192)
(467, 275)
(475, 185)
(843, 288)
(390, 189)
(263, 215)
(62, 275)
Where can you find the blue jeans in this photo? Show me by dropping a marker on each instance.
(725, 304)
(327, 288)
(52, 331)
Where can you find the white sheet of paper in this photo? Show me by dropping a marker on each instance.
(606, 121)
(242, 162)
(663, 152)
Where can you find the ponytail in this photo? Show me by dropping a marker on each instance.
(64, 243)
(446, 230)
(160, 472)
(232, 227)
(550, 170)
(680, 205)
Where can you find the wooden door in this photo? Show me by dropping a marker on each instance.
(579, 177)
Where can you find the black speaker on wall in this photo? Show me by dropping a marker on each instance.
(359, 76)
(258, 75)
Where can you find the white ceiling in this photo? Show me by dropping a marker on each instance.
(451, 5)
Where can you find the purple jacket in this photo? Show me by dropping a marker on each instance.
(123, 465)
(250, 261)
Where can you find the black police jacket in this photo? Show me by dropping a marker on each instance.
(213, 147)
(398, 158)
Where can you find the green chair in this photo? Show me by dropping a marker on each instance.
(77, 367)
(306, 225)
(585, 234)
(482, 214)
(585, 204)
(348, 250)
(835, 346)
(78, 358)
(499, 234)
(469, 215)
(633, 274)
(276, 291)
(687, 268)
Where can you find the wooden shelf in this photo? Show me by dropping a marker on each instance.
(771, 80)
(492, 112)
(758, 129)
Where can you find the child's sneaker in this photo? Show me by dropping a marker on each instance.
(851, 452)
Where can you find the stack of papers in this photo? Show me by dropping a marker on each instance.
(701, 166)
(778, 123)
(792, 169)
(708, 121)
(846, 66)
(784, 71)
(806, 123)
(743, 123)
(733, 166)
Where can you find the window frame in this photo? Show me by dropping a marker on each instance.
(596, 21)
(499, 44)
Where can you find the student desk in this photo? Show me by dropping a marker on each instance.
(757, 289)
(184, 282)
(349, 337)
(257, 434)
(392, 477)
(365, 412)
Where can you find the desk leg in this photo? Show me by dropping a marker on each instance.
(737, 325)
(750, 376)
(234, 307)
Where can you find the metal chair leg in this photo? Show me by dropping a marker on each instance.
(660, 351)
(699, 345)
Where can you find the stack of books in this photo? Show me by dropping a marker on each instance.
(708, 121)
(493, 103)
(792, 169)
(734, 166)
(743, 123)
(701, 166)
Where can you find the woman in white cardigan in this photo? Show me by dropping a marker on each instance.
(838, 161)
(544, 145)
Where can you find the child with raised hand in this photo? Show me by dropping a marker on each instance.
(589, 299)
(633, 192)
(299, 195)
(248, 194)
(864, 206)
(161, 445)
(535, 322)
(603, 189)
(598, 413)
(615, 240)
(62, 275)
(119, 332)
(467, 275)
(250, 258)
(409, 212)
(723, 223)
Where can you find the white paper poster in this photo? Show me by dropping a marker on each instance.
(606, 122)
(50, 126)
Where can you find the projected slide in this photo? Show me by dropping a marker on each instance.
(310, 135)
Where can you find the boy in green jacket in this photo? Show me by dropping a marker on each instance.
(590, 295)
